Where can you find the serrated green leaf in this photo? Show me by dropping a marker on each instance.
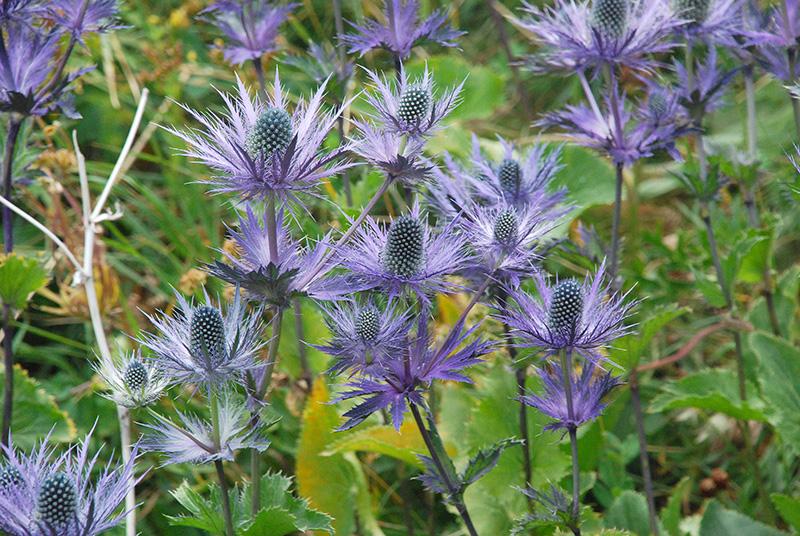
(629, 350)
(671, 514)
(629, 512)
(485, 460)
(272, 522)
(204, 512)
(788, 508)
(718, 521)
(403, 445)
(20, 277)
(713, 390)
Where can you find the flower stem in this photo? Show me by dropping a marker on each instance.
(647, 476)
(262, 82)
(226, 502)
(792, 58)
(455, 494)
(12, 135)
(566, 373)
(613, 256)
(272, 230)
(339, 21)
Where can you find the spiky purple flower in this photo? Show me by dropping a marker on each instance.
(404, 378)
(703, 92)
(260, 150)
(401, 30)
(251, 26)
(20, 11)
(589, 389)
(133, 381)
(399, 158)
(42, 494)
(712, 21)
(583, 317)
(99, 16)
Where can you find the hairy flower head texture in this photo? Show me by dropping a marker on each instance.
(132, 380)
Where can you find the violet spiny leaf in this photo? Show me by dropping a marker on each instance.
(207, 333)
(566, 305)
(135, 376)
(695, 11)
(57, 502)
(368, 324)
(415, 104)
(9, 478)
(271, 133)
(610, 17)
(506, 226)
(404, 253)
(509, 175)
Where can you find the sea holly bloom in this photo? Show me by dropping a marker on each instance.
(410, 107)
(404, 256)
(588, 389)
(364, 335)
(132, 381)
(580, 35)
(99, 16)
(713, 21)
(398, 157)
(272, 281)
(581, 317)
(406, 375)
(401, 31)
(251, 26)
(259, 150)
(197, 440)
(42, 494)
(20, 11)
(709, 82)
(201, 344)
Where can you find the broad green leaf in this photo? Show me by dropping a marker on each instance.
(35, 413)
(204, 512)
(713, 390)
(718, 521)
(732, 261)
(788, 508)
(671, 514)
(272, 522)
(629, 512)
(778, 370)
(404, 444)
(19, 278)
(629, 350)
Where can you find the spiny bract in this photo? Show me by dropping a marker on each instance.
(207, 333)
(368, 324)
(506, 226)
(610, 17)
(405, 251)
(566, 305)
(509, 175)
(135, 375)
(694, 11)
(271, 132)
(58, 500)
(415, 104)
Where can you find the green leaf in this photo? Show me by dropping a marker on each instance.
(713, 390)
(718, 521)
(403, 445)
(20, 277)
(671, 514)
(35, 413)
(588, 178)
(485, 460)
(272, 522)
(628, 350)
(778, 370)
(788, 508)
(733, 260)
(205, 514)
(629, 512)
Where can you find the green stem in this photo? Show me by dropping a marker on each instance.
(613, 257)
(223, 483)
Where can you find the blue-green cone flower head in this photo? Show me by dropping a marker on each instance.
(657, 104)
(610, 17)
(509, 174)
(405, 248)
(695, 11)
(506, 226)
(271, 133)
(207, 333)
(57, 502)
(9, 478)
(414, 105)
(368, 324)
(135, 376)
(566, 305)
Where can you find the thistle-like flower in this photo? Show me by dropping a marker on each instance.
(707, 87)
(588, 392)
(259, 150)
(404, 256)
(399, 158)
(99, 16)
(401, 31)
(251, 26)
(197, 440)
(42, 494)
(410, 107)
(404, 377)
(583, 317)
(20, 11)
(588, 34)
(364, 336)
(272, 281)
(201, 344)
(132, 381)
(713, 21)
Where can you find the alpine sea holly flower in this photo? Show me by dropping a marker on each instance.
(197, 440)
(404, 256)
(579, 35)
(20, 11)
(588, 392)
(259, 150)
(363, 335)
(99, 16)
(409, 106)
(399, 158)
(272, 281)
(42, 494)
(583, 317)
(133, 382)
(323, 61)
(401, 31)
(251, 26)
(714, 21)
(200, 344)
(708, 85)
(404, 377)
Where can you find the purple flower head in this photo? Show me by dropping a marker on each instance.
(399, 158)
(132, 380)
(583, 317)
(784, 29)
(711, 21)
(251, 26)
(588, 391)
(194, 439)
(410, 107)
(578, 35)
(42, 494)
(259, 150)
(272, 281)
(200, 344)
(98, 16)
(704, 91)
(404, 256)
(364, 336)
(401, 31)
(20, 11)
(404, 378)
